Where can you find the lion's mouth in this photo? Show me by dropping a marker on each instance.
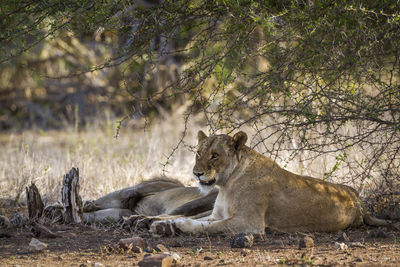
(211, 182)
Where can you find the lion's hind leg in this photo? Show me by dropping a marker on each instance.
(111, 215)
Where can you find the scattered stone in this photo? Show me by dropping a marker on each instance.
(342, 237)
(161, 248)
(136, 244)
(242, 240)
(159, 260)
(206, 258)
(36, 245)
(306, 242)
(356, 245)
(98, 264)
(357, 260)
(341, 246)
(4, 222)
(18, 220)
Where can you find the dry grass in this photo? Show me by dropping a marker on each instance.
(105, 163)
(108, 164)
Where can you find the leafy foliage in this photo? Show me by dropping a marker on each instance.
(316, 76)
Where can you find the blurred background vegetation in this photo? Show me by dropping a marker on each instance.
(315, 83)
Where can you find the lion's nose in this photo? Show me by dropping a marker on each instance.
(198, 174)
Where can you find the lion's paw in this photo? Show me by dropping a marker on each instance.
(137, 222)
(163, 228)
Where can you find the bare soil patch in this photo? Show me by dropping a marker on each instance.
(80, 245)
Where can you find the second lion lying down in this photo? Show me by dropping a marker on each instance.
(255, 193)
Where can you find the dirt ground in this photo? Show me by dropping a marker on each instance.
(80, 245)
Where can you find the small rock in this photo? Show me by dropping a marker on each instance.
(4, 222)
(242, 240)
(98, 264)
(356, 245)
(136, 244)
(36, 245)
(341, 246)
(357, 260)
(206, 258)
(161, 248)
(306, 242)
(342, 237)
(161, 260)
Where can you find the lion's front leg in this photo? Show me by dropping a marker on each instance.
(187, 225)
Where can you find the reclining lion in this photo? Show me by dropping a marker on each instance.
(255, 193)
(157, 196)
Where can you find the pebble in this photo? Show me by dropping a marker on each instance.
(136, 244)
(36, 245)
(98, 264)
(161, 260)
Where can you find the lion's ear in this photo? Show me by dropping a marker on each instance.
(201, 136)
(239, 140)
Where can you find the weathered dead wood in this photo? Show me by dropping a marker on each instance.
(35, 203)
(39, 230)
(71, 199)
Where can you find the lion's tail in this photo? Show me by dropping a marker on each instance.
(370, 220)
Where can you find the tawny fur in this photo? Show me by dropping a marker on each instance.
(157, 196)
(255, 193)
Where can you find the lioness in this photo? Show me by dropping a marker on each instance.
(255, 193)
(158, 196)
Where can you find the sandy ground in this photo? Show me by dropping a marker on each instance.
(79, 245)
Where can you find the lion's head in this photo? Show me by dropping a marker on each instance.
(217, 156)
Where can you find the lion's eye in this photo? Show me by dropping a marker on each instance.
(214, 156)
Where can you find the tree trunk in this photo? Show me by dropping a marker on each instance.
(71, 199)
(35, 204)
